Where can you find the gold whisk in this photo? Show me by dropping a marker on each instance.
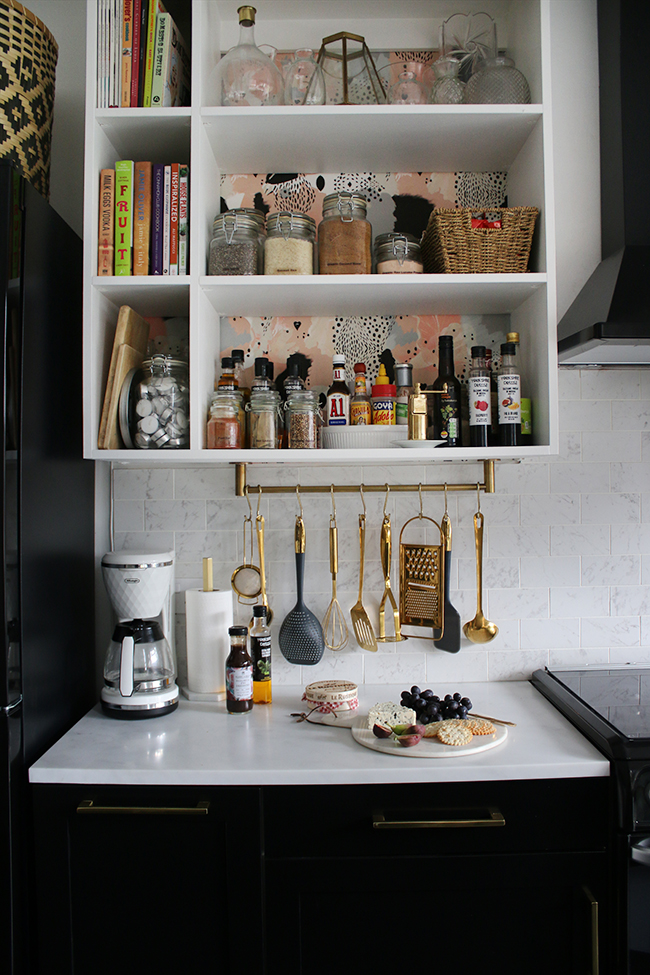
(335, 629)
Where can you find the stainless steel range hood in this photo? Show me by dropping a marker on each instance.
(609, 321)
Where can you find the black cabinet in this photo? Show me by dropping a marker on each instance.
(491, 876)
(137, 880)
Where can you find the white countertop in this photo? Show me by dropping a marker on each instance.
(201, 744)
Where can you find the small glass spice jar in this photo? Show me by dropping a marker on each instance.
(237, 243)
(224, 426)
(289, 247)
(158, 406)
(344, 235)
(264, 420)
(303, 419)
(397, 253)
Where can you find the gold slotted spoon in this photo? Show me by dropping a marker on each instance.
(335, 629)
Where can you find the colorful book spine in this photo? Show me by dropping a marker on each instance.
(141, 216)
(173, 220)
(135, 54)
(123, 216)
(155, 7)
(144, 20)
(167, 191)
(116, 52)
(160, 57)
(176, 71)
(183, 218)
(127, 53)
(157, 195)
(106, 236)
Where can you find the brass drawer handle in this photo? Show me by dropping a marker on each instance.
(88, 806)
(595, 945)
(494, 818)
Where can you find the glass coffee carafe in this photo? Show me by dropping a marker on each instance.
(139, 671)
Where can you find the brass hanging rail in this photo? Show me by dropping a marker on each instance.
(241, 485)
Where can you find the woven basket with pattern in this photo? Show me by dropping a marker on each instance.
(451, 245)
(28, 56)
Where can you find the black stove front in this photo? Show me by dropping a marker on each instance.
(611, 707)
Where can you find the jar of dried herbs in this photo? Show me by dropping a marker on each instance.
(237, 243)
(397, 253)
(344, 235)
(303, 419)
(290, 243)
(224, 427)
(264, 420)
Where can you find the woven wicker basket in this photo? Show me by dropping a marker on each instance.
(451, 245)
(28, 56)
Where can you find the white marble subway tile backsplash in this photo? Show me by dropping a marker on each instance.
(567, 544)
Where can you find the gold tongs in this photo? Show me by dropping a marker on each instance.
(385, 549)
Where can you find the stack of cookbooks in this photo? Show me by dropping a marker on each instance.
(143, 219)
(142, 60)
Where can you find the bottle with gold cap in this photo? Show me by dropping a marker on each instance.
(384, 394)
(246, 75)
(526, 433)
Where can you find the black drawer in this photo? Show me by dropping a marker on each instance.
(436, 819)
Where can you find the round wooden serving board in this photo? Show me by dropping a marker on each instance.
(428, 747)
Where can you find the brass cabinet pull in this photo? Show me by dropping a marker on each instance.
(88, 806)
(595, 946)
(494, 818)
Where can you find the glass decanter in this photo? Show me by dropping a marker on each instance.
(305, 82)
(407, 90)
(246, 75)
(498, 82)
(447, 89)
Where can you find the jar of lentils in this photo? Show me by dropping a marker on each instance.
(289, 247)
(264, 420)
(303, 420)
(344, 235)
(224, 427)
(157, 411)
(397, 253)
(237, 245)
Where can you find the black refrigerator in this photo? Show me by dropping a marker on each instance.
(47, 528)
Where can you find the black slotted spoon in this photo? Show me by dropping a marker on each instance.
(301, 635)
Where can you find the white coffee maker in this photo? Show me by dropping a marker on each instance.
(140, 666)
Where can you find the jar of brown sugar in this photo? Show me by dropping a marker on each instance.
(289, 245)
(237, 243)
(344, 235)
(397, 253)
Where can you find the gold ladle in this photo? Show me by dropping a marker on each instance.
(479, 630)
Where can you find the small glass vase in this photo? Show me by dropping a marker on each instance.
(246, 76)
(447, 89)
(304, 80)
(407, 90)
(498, 82)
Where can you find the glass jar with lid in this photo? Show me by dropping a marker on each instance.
(397, 253)
(264, 420)
(289, 247)
(154, 405)
(237, 242)
(303, 420)
(344, 235)
(224, 424)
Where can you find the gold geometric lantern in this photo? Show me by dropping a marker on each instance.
(351, 77)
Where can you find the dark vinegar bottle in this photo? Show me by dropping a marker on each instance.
(509, 393)
(446, 405)
(480, 412)
(239, 672)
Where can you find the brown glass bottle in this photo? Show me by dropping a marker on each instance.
(446, 405)
(239, 672)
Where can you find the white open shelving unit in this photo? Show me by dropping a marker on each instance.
(383, 138)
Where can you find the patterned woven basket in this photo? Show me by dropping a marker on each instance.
(28, 56)
(451, 245)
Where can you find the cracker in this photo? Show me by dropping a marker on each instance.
(480, 726)
(454, 734)
(435, 726)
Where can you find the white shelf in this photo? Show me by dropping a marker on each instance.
(148, 294)
(397, 138)
(371, 294)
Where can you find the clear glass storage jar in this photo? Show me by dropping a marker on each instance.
(264, 420)
(158, 406)
(237, 243)
(303, 419)
(224, 430)
(344, 235)
(397, 253)
(289, 247)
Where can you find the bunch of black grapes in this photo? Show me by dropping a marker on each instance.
(428, 706)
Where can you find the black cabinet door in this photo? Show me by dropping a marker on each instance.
(142, 880)
(533, 913)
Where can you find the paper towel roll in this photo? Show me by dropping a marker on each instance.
(207, 618)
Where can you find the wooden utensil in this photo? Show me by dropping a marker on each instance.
(361, 624)
(129, 349)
